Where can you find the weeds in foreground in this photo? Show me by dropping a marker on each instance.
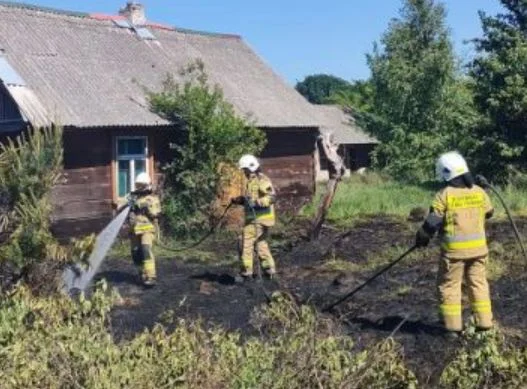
(486, 361)
(57, 343)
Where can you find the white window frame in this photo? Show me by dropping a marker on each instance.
(131, 158)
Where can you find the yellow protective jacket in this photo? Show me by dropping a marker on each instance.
(261, 198)
(463, 211)
(145, 210)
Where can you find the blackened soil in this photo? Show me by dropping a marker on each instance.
(403, 300)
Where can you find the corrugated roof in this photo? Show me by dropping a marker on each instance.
(333, 119)
(86, 71)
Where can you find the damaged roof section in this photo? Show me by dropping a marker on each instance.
(28, 104)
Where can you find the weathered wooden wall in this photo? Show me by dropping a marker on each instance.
(11, 121)
(288, 159)
(85, 200)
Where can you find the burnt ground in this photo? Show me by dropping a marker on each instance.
(318, 273)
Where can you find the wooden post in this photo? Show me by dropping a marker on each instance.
(336, 171)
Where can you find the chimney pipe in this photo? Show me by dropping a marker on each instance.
(134, 12)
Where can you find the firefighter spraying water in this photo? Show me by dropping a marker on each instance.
(142, 210)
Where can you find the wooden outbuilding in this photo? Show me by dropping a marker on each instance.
(354, 144)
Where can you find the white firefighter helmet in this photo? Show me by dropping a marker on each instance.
(143, 179)
(249, 162)
(451, 165)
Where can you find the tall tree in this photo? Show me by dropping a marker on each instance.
(317, 88)
(356, 98)
(420, 106)
(500, 74)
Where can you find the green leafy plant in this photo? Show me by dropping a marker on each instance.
(211, 134)
(30, 166)
(486, 361)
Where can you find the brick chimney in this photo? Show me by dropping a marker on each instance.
(134, 12)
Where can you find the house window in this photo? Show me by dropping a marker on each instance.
(131, 158)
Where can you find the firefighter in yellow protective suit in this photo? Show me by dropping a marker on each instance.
(459, 212)
(258, 202)
(145, 209)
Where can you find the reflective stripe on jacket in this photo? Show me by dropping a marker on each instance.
(261, 195)
(463, 211)
(145, 210)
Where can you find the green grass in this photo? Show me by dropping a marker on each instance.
(374, 194)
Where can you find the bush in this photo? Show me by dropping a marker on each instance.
(58, 343)
(486, 361)
(211, 134)
(30, 166)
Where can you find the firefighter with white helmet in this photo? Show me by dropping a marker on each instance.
(258, 201)
(459, 212)
(145, 209)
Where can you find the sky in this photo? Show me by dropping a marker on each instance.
(298, 37)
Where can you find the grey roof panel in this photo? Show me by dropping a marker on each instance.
(144, 33)
(8, 75)
(89, 72)
(122, 23)
(342, 125)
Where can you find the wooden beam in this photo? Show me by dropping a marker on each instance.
(336, 170)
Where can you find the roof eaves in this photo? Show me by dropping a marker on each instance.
(33, 7)
(121, 126)
(207, 33)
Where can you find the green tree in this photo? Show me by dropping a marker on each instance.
(357, 97)
(420, 103)
(211, 133)
(500, 75)
(318, 88)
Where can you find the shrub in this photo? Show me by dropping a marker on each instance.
(211, 134)
(30, 166)
(58, 343)
(486, 361)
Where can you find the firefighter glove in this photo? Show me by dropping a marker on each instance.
(422, 238)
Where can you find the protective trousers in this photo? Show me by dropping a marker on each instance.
(449, 281)
(253, 236)
(143, 256)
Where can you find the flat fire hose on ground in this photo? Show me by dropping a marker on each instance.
(201, 240)
(368, 281)
(75, 279)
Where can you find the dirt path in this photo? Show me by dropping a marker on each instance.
(197, 290)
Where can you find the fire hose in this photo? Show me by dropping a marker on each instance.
(369, 280)
(202, 239)
(484, 183)
(481, 181)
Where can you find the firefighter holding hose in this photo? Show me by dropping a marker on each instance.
(258, 202)
(458, 213)
(145, 209)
